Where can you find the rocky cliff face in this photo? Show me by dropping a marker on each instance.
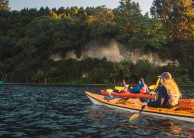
(115, 52)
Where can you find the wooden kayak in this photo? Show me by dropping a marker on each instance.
(134, 105)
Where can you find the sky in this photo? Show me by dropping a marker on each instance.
(21, 4)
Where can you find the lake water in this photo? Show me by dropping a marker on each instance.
(65, 111)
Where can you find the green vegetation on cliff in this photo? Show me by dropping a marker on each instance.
(29, 37)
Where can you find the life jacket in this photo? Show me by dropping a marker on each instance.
(144, 89)
(173, 99)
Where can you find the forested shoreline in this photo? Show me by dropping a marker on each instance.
(29, 37)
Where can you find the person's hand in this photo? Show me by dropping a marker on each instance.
(152, 93)
(144, 104)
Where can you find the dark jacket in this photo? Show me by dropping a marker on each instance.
(162, 93)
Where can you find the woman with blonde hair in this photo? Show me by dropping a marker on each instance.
(168, 93)
(171, 87)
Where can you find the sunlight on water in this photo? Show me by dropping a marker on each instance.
(65, 111)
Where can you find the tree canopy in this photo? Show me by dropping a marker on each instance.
(177, 17)
(28, 39)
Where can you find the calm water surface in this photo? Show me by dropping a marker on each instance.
(65, 111)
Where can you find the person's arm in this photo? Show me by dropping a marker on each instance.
(160, 98)
(137, 88)
(152, 93)
(147, 90)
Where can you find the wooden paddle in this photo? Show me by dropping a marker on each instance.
(135, 116)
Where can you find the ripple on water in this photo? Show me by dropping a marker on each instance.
(65, 111)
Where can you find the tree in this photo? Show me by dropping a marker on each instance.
(127, 17)
(150, 34)
(136, 30)
(124, 68)
(4, 5)
(101, 22)
(177, 17)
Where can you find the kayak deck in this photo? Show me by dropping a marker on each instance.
(134, 105)
(128, 94)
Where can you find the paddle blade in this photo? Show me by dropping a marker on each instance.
(109, 90)
(134, 117)
(152, 87)
(119, 88)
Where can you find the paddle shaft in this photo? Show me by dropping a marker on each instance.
(143, 106)
(149, 96)
(142, 109)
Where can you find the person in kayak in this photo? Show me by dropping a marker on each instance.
(124, 85)
(168, 93)
(141, 87)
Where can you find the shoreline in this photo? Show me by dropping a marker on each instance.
(44, 84)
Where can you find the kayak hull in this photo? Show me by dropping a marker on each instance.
(128, 94)
(134, 105)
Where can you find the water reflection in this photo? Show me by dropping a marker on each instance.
(65, 111)
(162, 127)
(116, 120)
